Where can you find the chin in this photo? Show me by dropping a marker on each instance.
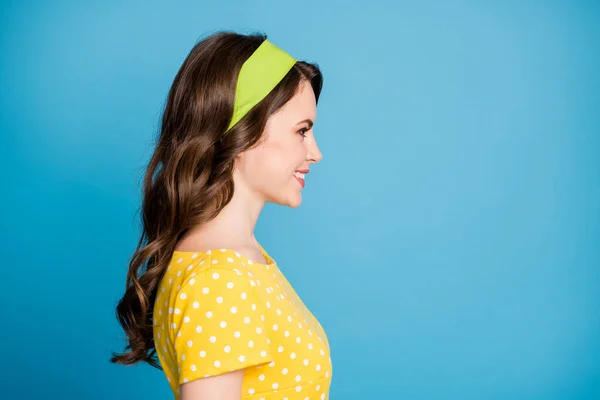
(295, 204)
(292, 202)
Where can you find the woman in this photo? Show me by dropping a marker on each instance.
(202, 293)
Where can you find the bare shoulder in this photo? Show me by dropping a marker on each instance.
(227, 386)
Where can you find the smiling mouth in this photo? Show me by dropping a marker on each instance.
(300, 178)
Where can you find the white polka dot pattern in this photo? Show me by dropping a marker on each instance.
(227, 313)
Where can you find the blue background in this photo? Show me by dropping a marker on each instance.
(449, 242)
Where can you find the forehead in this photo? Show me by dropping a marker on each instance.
(303, 105)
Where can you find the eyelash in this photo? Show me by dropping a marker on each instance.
(303, 131)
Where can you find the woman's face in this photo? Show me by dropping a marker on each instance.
(271, 170)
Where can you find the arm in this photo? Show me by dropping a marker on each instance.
(227, 386)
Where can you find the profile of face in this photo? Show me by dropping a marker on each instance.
(274, 170)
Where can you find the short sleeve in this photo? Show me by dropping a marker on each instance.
(218, 324)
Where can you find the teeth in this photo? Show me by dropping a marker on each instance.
(299, 175)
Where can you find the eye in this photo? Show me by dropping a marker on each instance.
(303, 131)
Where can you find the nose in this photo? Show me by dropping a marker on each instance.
(314, 154)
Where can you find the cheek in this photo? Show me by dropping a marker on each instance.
(276, 165)
(265, 166)
(276, 171)
(274, 162)
(284, 157)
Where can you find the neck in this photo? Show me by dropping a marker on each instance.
(234, 226)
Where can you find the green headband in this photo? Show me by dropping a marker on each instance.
(259, 74)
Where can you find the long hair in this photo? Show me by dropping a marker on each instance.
(189, 178)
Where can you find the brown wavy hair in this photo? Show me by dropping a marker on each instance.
(189, 177)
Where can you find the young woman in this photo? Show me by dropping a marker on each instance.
(202, 294)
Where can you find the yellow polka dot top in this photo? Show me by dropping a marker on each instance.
(217, 311)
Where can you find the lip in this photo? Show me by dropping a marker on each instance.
(300, 181)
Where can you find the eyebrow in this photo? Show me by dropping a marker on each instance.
(308, 121)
